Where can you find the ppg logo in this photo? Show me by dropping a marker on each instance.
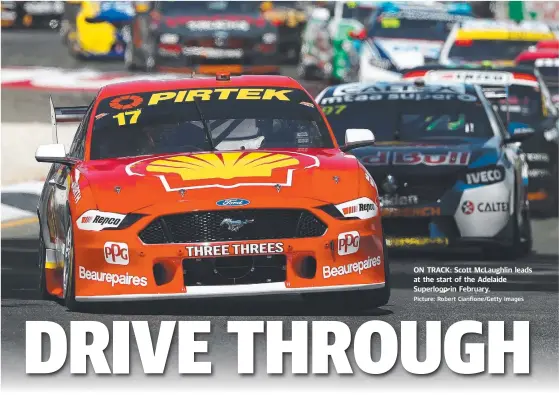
(116, 253)
(348, 243)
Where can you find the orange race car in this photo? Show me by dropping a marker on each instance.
(208, 187)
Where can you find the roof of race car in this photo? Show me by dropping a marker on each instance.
(415, 10)
(517, 75)
(356, 88)
(530, 55)
(138, 86)
(490, 29)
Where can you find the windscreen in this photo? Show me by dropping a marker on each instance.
(464, 51)
(405, 27)
(209, 7)
(357, 11)
(549, 70)
(524, 105)
(228, 118)
(407, 117)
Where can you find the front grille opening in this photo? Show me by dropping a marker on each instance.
(212, 226)
(259, 269)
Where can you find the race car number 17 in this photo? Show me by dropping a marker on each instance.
(121, 117)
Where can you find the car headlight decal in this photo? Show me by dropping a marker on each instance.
(360, 208)
(95, 220)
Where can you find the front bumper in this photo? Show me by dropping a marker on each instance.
(171, 271)
(472, 217)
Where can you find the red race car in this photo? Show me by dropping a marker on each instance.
(207, 187)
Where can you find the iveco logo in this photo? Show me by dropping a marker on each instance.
(389, 185)
(235, 225)
(219, 38)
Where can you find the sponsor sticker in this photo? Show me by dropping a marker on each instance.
(485, 177)
(415, 241)
(549, 62)
(351, 268)
(224, 169)
(398, 200)
(233, 202)
(220, 94)
(218, 25)
(111, 278)
(468, 207)
(414, 158)
(474, 77)
(362, 208)
(95, 221)
(411, 212)
(116, 253)
(201, 251)
(126, 102)
(348, 243)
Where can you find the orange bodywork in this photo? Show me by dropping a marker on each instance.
(155, 186)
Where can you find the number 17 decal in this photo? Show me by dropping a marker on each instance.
(121, 117)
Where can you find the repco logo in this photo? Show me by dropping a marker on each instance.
(106, 220)
(366, 207)
(348, 243)
(116, 253)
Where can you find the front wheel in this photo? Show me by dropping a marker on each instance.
(521, 241)
(43, 291)
(69, 277)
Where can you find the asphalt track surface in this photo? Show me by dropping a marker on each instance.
(20, 302)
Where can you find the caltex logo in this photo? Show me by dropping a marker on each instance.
(468, 207)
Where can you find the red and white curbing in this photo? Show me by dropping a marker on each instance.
(10, 213)
(70, 80)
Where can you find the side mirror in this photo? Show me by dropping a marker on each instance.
(355, 138)
(359, 35)
(320, 14)
(519, 132)
(53, 153)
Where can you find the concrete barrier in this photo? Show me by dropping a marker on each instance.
(19, 143)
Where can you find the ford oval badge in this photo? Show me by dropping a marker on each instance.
(233, 202)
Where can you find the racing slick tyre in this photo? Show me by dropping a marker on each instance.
(349, 301)
(69, 277)
(521, 241)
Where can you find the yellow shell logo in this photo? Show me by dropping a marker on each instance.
(227, 165)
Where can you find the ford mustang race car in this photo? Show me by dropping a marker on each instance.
(200, 35)
(208, 187)
(489, 41)
(450, 173)
(526, 101)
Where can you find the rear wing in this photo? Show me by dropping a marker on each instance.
(65, 115)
